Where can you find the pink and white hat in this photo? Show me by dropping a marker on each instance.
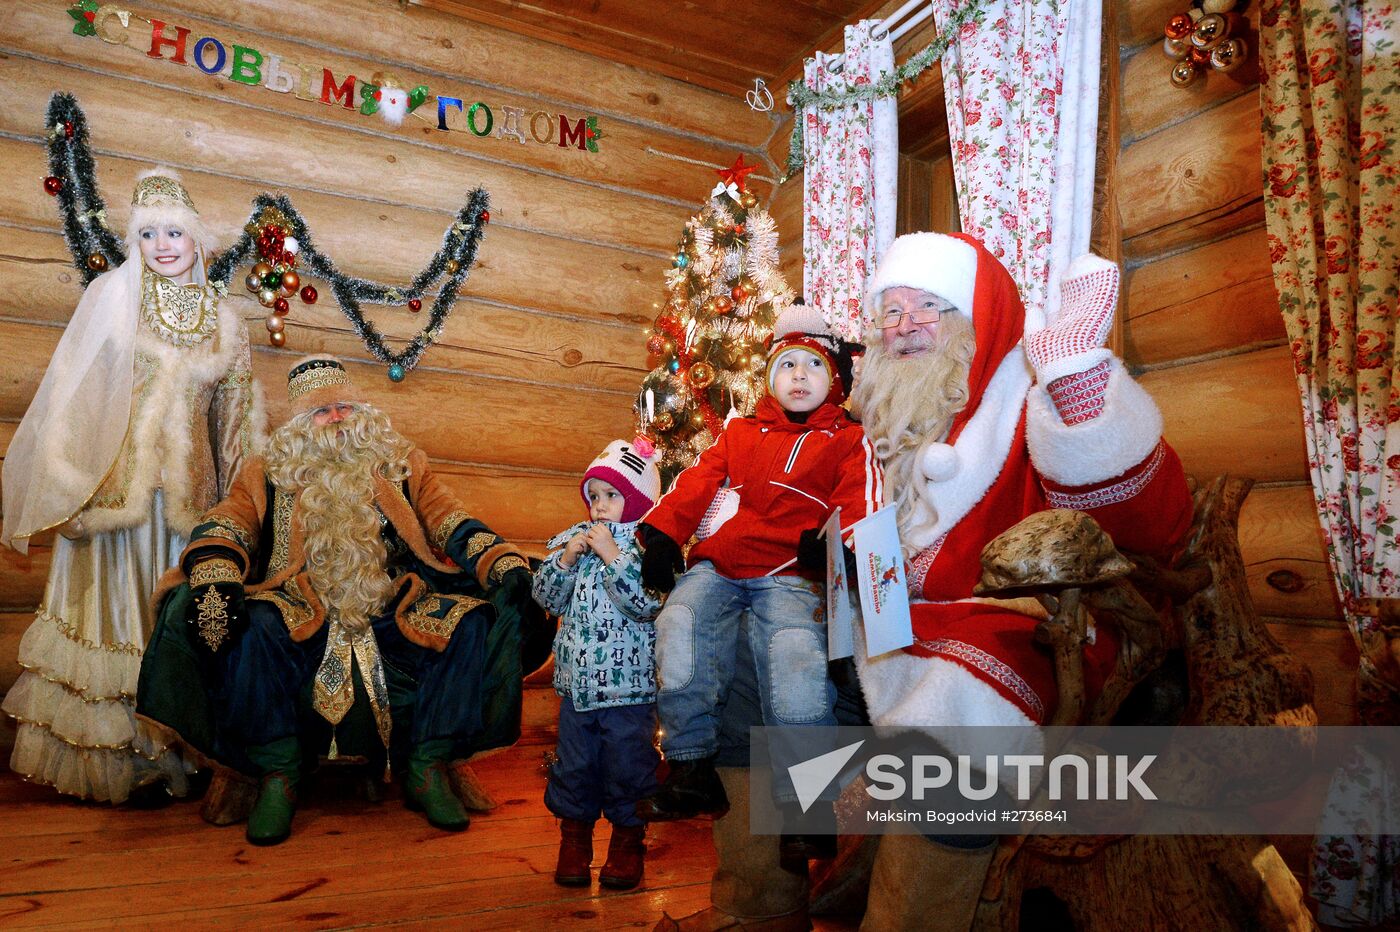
(629, 470)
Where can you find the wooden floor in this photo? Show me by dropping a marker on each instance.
(348, 863)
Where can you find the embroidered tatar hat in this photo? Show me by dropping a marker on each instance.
(316, 381)
(801, 329)
(624, 468)
(160, 198)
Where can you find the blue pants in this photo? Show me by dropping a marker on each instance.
(433, 695)
(697, 649)
(607, 762)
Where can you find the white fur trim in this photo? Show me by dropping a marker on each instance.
(1099, 449)
(981, 451)
(932, 262)
(1071, 365)
(159, 434)
(943, 699)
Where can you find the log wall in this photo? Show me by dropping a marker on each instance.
(536, 369)
(1201, 325)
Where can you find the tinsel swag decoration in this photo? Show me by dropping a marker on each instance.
(275, 241)
(706, 346)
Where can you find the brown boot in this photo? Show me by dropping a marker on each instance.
(751, 889)
(922, 884)
(575, 853)
(627, 851)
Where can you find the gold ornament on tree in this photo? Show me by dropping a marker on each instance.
(1207, 37)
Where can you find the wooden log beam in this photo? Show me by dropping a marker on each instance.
(1205, 300)
(452, 416)
(1141, 21)
(1192, 183)
(444, 45)
(232, 141)
(1283, 548)
(1238, 415)
(623, 161)
(483, 338)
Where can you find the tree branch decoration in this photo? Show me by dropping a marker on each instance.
(801, 97)
(274, 240)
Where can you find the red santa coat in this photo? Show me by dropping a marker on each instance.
(783, 478)
(1007, 456)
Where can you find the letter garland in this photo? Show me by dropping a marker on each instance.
(802, 97)
(273, 223)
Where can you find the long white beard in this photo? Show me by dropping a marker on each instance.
(905, 403)
(333, 467)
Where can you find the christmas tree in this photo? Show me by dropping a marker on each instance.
(706, 347)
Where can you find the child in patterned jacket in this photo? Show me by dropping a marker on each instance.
(604, 671)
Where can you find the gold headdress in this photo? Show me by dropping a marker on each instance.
(157, 190)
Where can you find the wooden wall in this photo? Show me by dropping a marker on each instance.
(537, 368)
(1201, 326)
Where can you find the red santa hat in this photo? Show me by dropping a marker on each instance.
(959, 269)
(801, 329)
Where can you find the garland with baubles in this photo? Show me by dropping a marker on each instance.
(1207, 37)
(275, 241)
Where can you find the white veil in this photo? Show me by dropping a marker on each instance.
(73, 430)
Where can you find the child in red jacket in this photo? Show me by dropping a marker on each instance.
(768, 482)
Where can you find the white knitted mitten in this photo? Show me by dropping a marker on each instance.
(1068, 355)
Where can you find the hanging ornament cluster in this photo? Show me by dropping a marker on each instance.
(276, 247)
(705, 349)
(273, 278)
(1208, 36)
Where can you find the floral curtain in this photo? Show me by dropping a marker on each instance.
(1330, 130)
(1022, 91)
(852, 168)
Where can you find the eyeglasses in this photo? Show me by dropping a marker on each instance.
(918, 316)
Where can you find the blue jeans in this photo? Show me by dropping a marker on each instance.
(697, 648)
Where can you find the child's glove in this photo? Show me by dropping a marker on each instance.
(811, 552)
(662, 559)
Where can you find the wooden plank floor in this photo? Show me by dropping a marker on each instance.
(348, 863)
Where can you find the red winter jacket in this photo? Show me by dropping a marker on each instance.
(788, 478)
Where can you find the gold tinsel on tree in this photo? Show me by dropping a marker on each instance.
(706, 347)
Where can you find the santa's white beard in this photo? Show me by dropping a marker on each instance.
(333, 467)
(906, 402)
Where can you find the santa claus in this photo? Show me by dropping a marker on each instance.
(978, 424)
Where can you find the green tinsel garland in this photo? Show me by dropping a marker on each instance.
(804, 98)
(86, 231)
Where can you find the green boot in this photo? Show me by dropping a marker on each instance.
(430, 789)
(270, 822)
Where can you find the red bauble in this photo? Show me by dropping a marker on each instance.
(738, 229)
(68, 129)
(415, 305)
(1179, 26)
(1199, 57)
(739, 293)
(53, 185)
(308, 294)
(486, 216)
(655, 344)
(280, 307)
